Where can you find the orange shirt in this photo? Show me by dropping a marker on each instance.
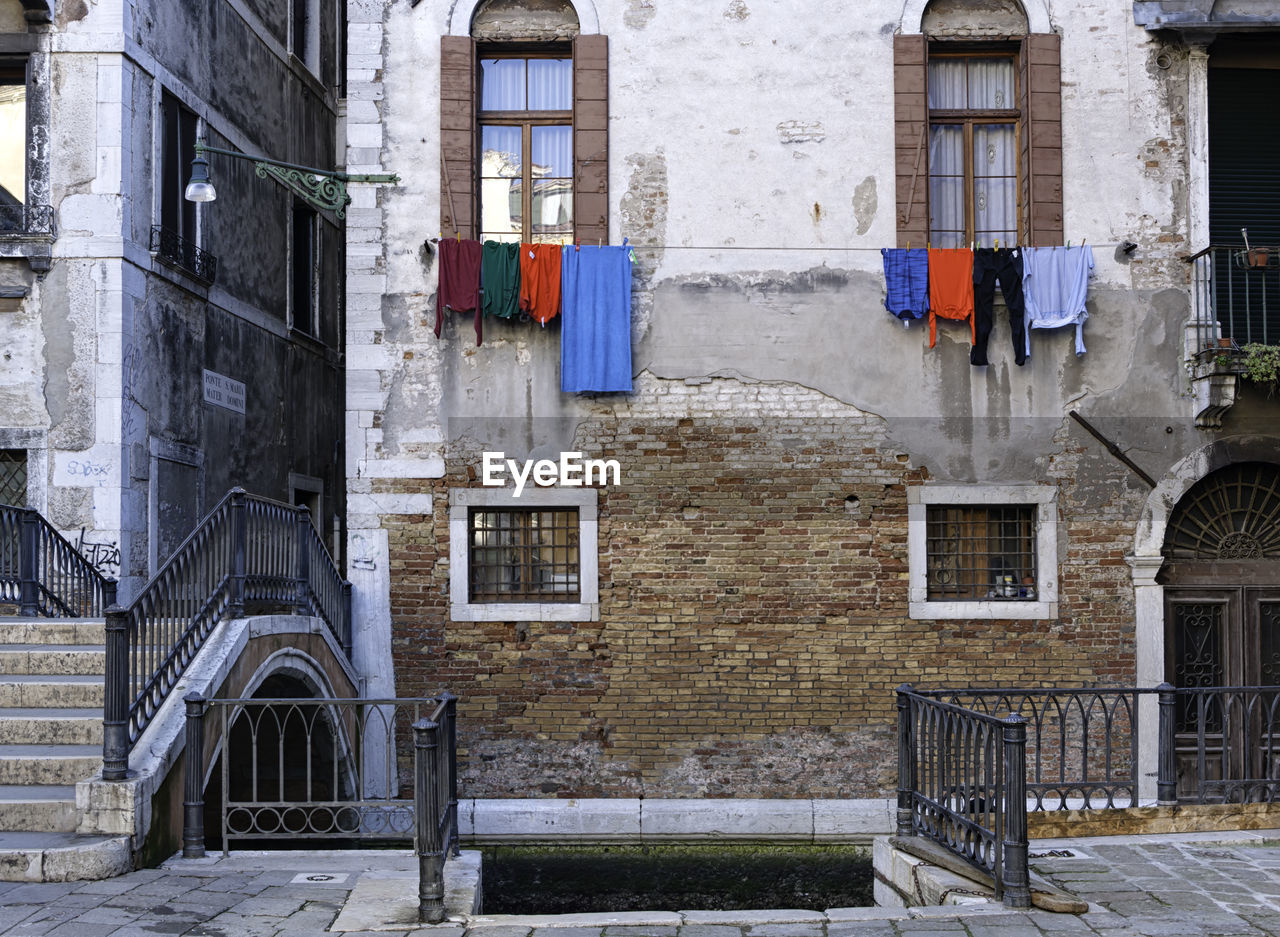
(540, 281)
(950, 288)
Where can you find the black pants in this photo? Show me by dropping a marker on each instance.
(1002, 264)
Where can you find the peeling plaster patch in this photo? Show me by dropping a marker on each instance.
(644, 220)
(737, 11)
(639, 13)
(72, 11)
(801, 131)
(865, 204)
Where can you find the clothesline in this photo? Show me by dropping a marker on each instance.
(737, 247)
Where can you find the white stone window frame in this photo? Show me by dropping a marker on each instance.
(1045, 499)
(461, 500)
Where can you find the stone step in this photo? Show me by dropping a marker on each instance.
(48, 764)
(49, 690)
(39, 808)
(59, 631)
(62, 857)
(34, 659)
(51, 726)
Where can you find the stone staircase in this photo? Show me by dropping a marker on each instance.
(51, 684)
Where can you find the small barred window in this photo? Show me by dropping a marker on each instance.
(13, 477)
(523, 555)
(981, 553)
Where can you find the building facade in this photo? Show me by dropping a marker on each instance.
(159, 352)
(803, 501)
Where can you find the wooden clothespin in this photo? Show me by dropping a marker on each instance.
(997, 243)
(458, 234)
(1083, 241)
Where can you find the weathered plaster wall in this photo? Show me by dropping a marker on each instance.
(103, 357)
(751, 168)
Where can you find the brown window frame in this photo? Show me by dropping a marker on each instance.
(526, 120)
(969, 118)
(1039, 81)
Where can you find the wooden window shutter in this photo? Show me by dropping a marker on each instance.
(457, 136)
(910, 143)
(1041, 142)
(591, 139)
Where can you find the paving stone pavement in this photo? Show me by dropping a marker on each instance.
(1213, 884)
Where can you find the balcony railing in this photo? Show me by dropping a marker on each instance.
(172, 248)
(26, 220)
(1236, 299)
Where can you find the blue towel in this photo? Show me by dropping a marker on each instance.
(906, 277)
(595, 330)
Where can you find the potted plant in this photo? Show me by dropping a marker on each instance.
(1261, 364)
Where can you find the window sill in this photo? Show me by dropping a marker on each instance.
(992, 610)
(525, 611)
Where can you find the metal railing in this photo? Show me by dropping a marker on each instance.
(173, 248)
(27, 220)
(247, 553)
(326, 769)
(960, 783)
(973, 762)
(1082, 743)
(1226, 740)
(1235, 299)
(43, 574)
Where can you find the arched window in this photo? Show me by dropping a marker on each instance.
(978, 128)
(524, 126)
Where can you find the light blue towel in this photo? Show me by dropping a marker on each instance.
(595, 328)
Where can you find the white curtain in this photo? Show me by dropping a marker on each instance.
(972, 83)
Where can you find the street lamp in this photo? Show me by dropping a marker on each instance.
(322, 189)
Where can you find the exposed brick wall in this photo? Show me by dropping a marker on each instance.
(753, 614)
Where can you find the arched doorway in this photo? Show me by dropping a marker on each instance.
(1221, 579)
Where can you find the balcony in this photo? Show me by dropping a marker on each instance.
(28, 231)
(1235, 308)
(177, 251)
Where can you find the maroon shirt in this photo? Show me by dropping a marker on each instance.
(459, 281)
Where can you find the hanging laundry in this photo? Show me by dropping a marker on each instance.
(459, 288)
(990, 265)
(950, 288)
(500, 279)
(595, 330)
(906, 280)
(1055, 282)
(540, 281)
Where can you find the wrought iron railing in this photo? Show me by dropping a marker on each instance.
(1082, 744)
(973, 762)
(326, 769)
(27, 220)
(1235, 299)
(43, 574)
(1226, 741)
(960, 783)
(249, 553)
(177, 250)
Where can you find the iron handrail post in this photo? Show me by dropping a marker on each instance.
(110, 591)
(302, 577)
(1015, 874)
(1166, 772)
(427, 841)
(28, 563)
(906, 764)
(346, 627)
(239, 549)
(193, 801)
(115, 710)
(451, 765)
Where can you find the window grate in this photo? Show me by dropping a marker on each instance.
(523, 555)
(13, 477)
(981, 553)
